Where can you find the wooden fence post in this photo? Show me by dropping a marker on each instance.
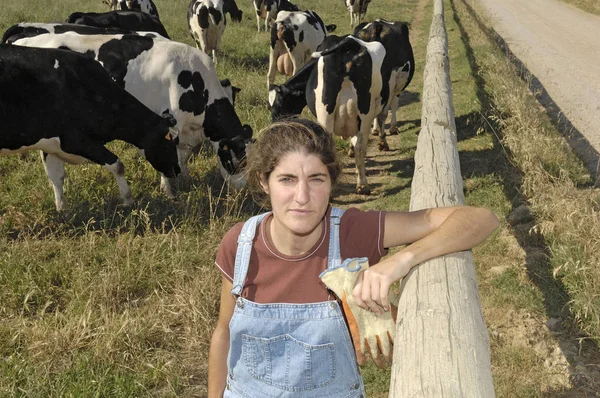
(441, 347)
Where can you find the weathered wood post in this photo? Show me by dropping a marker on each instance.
(441, 347)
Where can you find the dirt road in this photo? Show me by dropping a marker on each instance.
(560, 45)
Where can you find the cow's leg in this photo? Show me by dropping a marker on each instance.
(297, 58)
(376, 127)
(351, 147)
(97, 153)
(166, 184)
(118, 170)
(55, 170)
(362, 140)
(394, 109)
(273, 54)
(380, 120)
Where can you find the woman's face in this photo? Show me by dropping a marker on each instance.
(299, 189)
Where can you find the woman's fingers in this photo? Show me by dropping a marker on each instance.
(371, 293)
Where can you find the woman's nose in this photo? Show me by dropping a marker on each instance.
(302, 196)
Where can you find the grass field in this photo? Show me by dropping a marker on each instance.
(106, 300)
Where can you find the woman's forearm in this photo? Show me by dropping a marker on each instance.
(465, 228)
(462, 229)
(217, 362)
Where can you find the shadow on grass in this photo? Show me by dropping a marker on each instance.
(537, 252)
(200, 200)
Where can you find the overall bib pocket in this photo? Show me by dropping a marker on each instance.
(287, 363)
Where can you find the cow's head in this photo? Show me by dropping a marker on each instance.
(160, 147)
(232, 157)
(284, 101)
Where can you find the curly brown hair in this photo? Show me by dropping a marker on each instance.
(284, 137)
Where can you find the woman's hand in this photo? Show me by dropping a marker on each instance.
(371, 290)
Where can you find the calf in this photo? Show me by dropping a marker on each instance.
(66, 105)
(398, 66)
(206, 22)
(231, 8)
(342, 87)
(358, 10)
(32, 29)
(169, 78)
(268, 9)
(126, 20)
(146, 6)
(295, 35)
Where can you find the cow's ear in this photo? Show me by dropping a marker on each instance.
(236, 89)
(331, 28)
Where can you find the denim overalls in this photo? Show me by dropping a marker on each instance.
(289, 350)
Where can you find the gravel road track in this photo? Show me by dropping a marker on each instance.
(560, 45)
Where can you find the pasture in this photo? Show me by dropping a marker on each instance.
(108, 300)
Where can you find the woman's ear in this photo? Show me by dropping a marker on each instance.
(264, 184)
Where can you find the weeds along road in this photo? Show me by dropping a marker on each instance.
(560, 45)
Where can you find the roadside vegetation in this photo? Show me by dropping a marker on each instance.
(592, 6)
(106, 300)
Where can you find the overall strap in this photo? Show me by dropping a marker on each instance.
(334, 256)
(242, 255)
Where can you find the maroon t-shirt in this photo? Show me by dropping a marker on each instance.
(277, 278)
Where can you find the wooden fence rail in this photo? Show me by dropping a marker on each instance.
(441, 347)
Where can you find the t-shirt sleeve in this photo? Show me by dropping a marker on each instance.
(361, 234)
(225, 260)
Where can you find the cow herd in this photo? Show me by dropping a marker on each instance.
(69, 88)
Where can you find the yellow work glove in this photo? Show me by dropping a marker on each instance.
(369, 331)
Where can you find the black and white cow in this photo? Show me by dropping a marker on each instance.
(231, 91)
(146, 6)
(66, 105)
(295, 35)
(398, 66)
(207, 24)
(231, 8)
(169, 78)
(358, 10)
(342, 87)
(32, 29)
(268, 9)
(126, 20)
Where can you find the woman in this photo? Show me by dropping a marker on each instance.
(280, 332)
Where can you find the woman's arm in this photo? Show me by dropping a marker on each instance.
(429, 233)
(219, 344)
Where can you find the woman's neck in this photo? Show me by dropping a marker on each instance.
(290, 244)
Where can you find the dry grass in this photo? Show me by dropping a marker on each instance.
(592, 6)
(556, 226)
